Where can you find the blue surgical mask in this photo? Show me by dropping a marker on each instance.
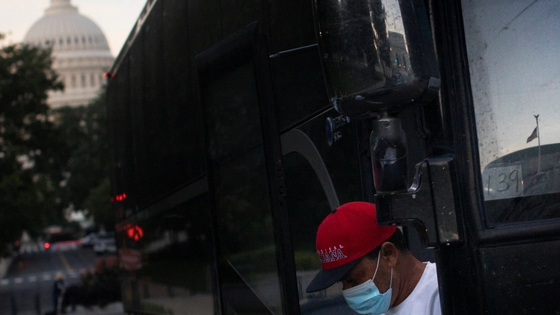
(366, 299)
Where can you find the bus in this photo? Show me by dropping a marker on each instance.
(237, 126)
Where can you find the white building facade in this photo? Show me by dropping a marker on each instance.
(80, 52)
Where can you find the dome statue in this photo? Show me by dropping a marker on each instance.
(80, 52)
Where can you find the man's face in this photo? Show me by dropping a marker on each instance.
(364, 271)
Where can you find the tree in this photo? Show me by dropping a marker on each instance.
(86, 185)
(28, 140)
(25, 78)
(98, 205)
(50, 160)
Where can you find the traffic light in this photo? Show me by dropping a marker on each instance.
(134, 232)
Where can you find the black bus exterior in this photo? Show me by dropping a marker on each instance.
(227, 151)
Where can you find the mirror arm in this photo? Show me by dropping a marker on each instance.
(428, 205)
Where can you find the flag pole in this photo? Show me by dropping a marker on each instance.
(539, 140)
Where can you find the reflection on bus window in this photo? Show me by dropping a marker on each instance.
(242, 199)
(166, 261)
(307, 206)
(513, 58)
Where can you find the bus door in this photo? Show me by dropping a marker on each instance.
(271, 187)
(485, 191)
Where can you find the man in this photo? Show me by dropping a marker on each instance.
(58, 288)
(377, 271)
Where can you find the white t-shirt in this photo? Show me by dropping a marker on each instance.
(424, 299)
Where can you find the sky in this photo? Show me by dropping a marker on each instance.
(114, 17)
(513, 60)
(514, 73)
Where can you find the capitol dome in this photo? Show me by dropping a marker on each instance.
(80, 52)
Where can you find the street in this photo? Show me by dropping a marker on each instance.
(27, 287)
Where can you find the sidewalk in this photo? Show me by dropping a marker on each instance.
(111, 309)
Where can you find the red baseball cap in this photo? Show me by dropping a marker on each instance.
(346, 235)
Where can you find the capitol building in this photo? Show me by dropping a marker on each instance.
(80, 52)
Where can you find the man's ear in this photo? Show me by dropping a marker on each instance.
(390, 253)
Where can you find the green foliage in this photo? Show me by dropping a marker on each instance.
(85, 175)
(27, 139)
(97, 289)
(25, 78)
(84, 130)
(307, 260)
(262, 260)
(172, 273)
(98, 205)
(49, 159)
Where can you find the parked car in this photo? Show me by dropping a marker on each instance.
(105, 244)
(89, 240)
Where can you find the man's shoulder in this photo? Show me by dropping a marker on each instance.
(430, 273)
(428, 284)
(424, 299)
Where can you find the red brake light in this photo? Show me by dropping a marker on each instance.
(47, 245)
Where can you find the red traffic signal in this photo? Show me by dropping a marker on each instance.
(134, 232)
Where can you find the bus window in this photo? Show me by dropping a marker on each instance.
(299, 77)
(240, 190)
(316, 183)
(513, 61)
(307, 206)
(167, 260)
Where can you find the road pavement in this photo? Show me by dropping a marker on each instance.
(27, 287)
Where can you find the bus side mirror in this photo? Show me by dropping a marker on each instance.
(377, 55)
(378, 58)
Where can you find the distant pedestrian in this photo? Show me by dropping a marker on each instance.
(58, 289)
